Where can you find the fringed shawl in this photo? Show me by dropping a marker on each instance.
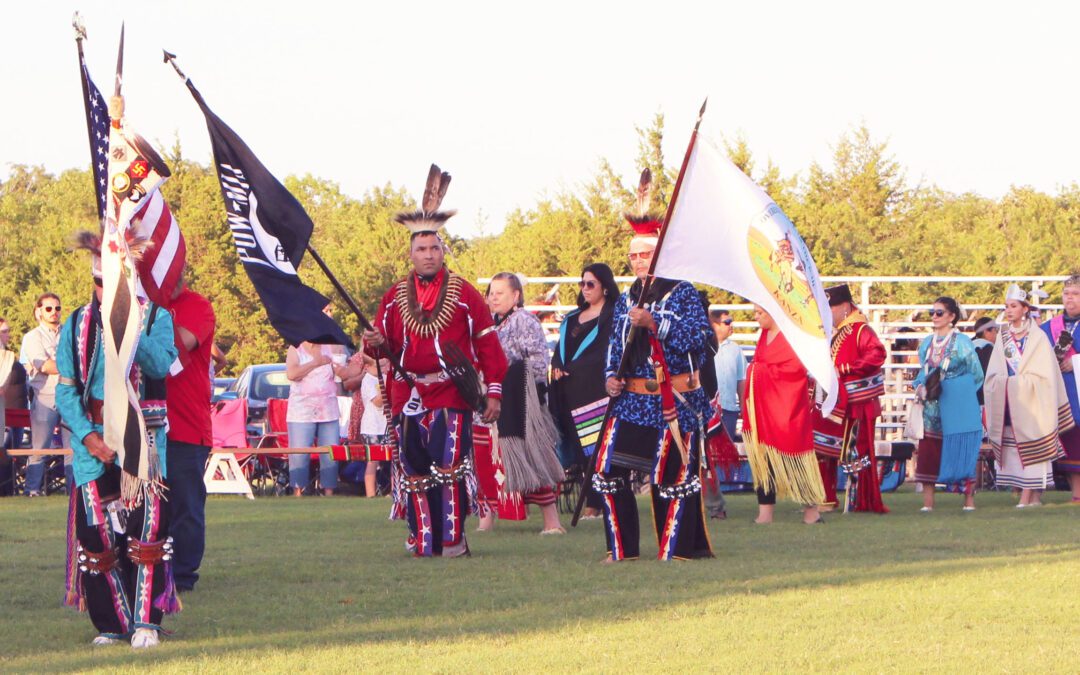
(1038, 405)
(777, 425)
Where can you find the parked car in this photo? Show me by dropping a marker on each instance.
(256, 384)
(221, 385)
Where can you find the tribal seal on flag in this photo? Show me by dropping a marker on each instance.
(780, 260)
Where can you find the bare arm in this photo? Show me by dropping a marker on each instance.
(295, 371)
(187, 339)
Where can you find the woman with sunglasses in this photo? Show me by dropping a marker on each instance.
(578, 399)
(1026, 403)
(952, 420)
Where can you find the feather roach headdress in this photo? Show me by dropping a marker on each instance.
(91, 241)
(429, 218)
(646, 225)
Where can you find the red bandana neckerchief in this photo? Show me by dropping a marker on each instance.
(427, 292)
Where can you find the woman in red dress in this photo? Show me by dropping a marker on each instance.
(778, 428)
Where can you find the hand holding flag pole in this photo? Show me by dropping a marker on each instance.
(645, 285)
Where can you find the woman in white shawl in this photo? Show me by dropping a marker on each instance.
(1026, 404)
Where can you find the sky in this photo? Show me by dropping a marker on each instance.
(519, 101)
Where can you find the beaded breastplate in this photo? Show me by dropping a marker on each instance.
(416, 320)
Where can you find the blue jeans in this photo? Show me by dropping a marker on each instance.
(43, 421)
(714, 500)
(307, 435)
(186, 464)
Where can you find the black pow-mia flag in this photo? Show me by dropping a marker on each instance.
(271, 230)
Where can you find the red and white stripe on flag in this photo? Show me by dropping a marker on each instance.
(163, 262)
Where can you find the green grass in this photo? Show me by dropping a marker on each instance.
(325, 585)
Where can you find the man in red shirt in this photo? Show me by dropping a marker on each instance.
(419, 320)
(190, 438)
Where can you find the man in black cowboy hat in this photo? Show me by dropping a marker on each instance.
(859, 356)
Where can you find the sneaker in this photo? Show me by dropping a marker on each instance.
(102, 640)
(722, 515)
(34, 493)
(144, 638)
(926, 509)
(969, 508)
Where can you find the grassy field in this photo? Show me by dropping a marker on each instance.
(324, 584)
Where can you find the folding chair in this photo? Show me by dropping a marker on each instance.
(225, 472)
(270, 473)
(12, 476)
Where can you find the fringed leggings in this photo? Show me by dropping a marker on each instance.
(128, 596)
(678, 512)
(436, 447)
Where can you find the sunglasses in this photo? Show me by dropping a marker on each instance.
(938, 312)
(586, 284)
(50, 308)
(727, 322)
(644, 255)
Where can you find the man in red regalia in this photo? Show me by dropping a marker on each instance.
(859, 356)
(437, 328)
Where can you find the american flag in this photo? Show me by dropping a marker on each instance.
(97, 123)
(163, 261)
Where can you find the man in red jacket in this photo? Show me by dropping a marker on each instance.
(419, 320)
(859, 357)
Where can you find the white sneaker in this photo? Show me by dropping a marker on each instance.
(103, 640)
(926, 509)
(144, 637)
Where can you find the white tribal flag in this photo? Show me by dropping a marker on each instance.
(725, 231)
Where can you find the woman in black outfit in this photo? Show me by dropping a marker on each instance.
(578, 398)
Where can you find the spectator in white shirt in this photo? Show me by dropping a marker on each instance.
(373, 421)
(39, 360)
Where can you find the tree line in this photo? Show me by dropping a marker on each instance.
(859, 214)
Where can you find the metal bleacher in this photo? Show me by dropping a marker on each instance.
(895, 323)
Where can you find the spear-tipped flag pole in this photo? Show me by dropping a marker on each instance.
(97, 123)
(131, 177)
(161, 264)
(272, 232)
(664, 228)
(120, 64)
(721, 208)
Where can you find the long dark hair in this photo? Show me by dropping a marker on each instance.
(606, 278)
(951, 306)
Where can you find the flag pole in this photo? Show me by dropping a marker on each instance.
(170, 58)
(645, 286)
(120, 64)
(647, 283)
(671, 204)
